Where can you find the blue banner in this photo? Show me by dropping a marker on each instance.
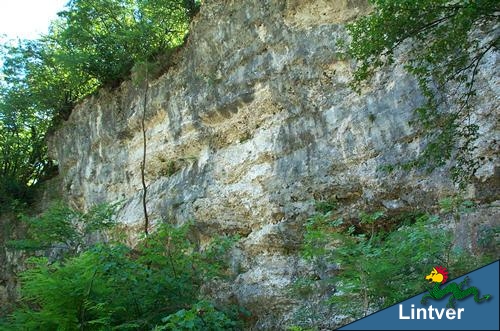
(467, 314)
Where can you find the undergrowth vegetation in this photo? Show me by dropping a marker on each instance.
(380, 260)
(157, 284)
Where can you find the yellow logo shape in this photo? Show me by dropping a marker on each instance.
(434, 276)
(437, 275)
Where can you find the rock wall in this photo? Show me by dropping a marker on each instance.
(7, 285)
(252, 123)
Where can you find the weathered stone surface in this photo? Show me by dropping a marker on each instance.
(10, 264)
(251, 124)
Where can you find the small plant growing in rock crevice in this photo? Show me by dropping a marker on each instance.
(170, 168)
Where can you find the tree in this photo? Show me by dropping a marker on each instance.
(444, 42)
(51, 84)
(35, 88)
(22, 150)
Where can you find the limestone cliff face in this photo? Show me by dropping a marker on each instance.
(251, 124)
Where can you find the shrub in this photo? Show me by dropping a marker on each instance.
(113, 286)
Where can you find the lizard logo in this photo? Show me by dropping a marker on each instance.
(439, 276)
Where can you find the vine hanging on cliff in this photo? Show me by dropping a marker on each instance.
(141, 76)
(144, 152)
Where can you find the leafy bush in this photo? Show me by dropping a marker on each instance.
(202, 316)
(60, 224)
(113, 286)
